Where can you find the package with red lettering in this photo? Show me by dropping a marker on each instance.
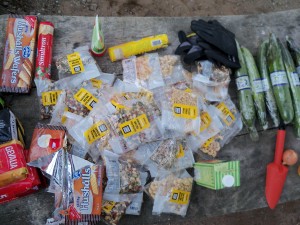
(16, 178)
(18, 62)
(44, 51)
(46, 140)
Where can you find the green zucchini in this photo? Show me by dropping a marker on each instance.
(264, 73)
(257, 88)
(279, 81)
(294, 84)
(295, 52)
(245, 98)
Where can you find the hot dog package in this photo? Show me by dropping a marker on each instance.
(18, 63)
(16, 178)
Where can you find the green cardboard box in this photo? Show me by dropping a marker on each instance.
(217, 174)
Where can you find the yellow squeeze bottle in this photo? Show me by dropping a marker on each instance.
(143, 45)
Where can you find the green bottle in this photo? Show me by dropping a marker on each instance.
(97, 47)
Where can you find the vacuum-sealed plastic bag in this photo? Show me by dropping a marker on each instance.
(144, 71)
(171, 69)
(210, 126)
(137, 123)
(172, 193)
(212, 81)
(114, 208)
(124, 175)
(80, 61)
(180, 111)
(136, 204)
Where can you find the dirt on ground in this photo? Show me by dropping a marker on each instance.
(145, 7)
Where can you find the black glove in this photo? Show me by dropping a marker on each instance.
(215, 34)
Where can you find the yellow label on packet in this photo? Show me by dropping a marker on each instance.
(117, 105)
(63, 118)
(98, 130)
(180, 152)
(134, 126)
(205, 121)
(50, 97)
(75, 63)
(180, 197)
(208, 142)
(107, 206)
(185, 111)
(227, 115)
(96, 83)
(86, 98)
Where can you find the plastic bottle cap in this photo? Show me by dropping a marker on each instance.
(228, 180)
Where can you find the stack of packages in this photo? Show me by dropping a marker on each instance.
(150, 123)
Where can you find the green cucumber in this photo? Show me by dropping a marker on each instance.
(279, 81)
(264, 73)
(245, 98)
(257, 89)
(294, 84)
(295, 52)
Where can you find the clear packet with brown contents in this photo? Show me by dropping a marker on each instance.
(180, 111)
(18, 62)
(144, 71)
(124, 175)
(137, 123)
(211, 80)
(78, 62)
(232, 125)
(171, 193)
(171, 69)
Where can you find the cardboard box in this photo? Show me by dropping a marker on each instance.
(217, 174)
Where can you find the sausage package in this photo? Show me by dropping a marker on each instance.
(18, 62)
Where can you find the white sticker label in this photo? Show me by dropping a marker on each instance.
(298, 70)
(242, 82)
(257, 86)
(265, 84)
(295, 79)
(279, 78)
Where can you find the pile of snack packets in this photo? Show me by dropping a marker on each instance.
(110, 140)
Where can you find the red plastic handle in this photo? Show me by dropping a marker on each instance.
(279, 146)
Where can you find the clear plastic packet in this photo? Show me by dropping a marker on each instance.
(137, 123)
(48, 91)
(124, 175)
(144, 71)
(59, 110)
(211, 125)
(165, 156)
(180, 111)
(135, 206)
(171, 193)
(80, 61)
(232, 125)
(171, 69)
(211, 80)
(114, 208)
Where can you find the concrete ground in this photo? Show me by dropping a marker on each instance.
(285, 213)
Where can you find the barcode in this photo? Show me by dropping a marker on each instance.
(126, 129)
(92, 104)
(77, 69)
(156, 42)
(229, 119)
(102, 127)
(177, 110)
